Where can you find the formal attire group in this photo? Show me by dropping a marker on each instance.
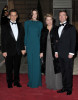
(37, 39)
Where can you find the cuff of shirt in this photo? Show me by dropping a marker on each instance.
(71, 53)
(56, 52)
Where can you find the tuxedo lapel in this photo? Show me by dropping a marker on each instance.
(18, 31)
(64, 29)
(11, 32)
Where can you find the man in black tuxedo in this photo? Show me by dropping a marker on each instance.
(65, 50)
(12, 43)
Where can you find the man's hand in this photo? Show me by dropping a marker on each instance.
(23, 52)
(56, 54)
(4, 54)
(70, 56)
(41, 55)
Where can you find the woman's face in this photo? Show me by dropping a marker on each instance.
(34, 15)
(49, 21)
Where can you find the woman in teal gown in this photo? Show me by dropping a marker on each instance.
(33, 29)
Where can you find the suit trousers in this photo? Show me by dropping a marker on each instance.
(12, 67)
(66, 66)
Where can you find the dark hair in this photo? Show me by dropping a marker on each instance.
(31, 13)
(13, 10)
(63, 11)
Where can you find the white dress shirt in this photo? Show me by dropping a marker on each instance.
(14, 28)
(61, 29)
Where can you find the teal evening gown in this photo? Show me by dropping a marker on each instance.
(32, 43)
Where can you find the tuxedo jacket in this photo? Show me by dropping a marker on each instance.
(8, 42)
(67, 42)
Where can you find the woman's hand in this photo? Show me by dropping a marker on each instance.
(23, 52)
(41, 55)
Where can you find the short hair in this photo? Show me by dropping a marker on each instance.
(13, 10)
(48, 15)
(31, 13)
(63, 11)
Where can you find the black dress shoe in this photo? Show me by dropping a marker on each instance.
(61, 91)
(10, 86)
(27, 85)
(69, 92)
(17, 84)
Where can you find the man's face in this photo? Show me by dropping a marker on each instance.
(62, 17)
(13, 16)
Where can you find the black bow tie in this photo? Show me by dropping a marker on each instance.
(12, 23)
(61, 25)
